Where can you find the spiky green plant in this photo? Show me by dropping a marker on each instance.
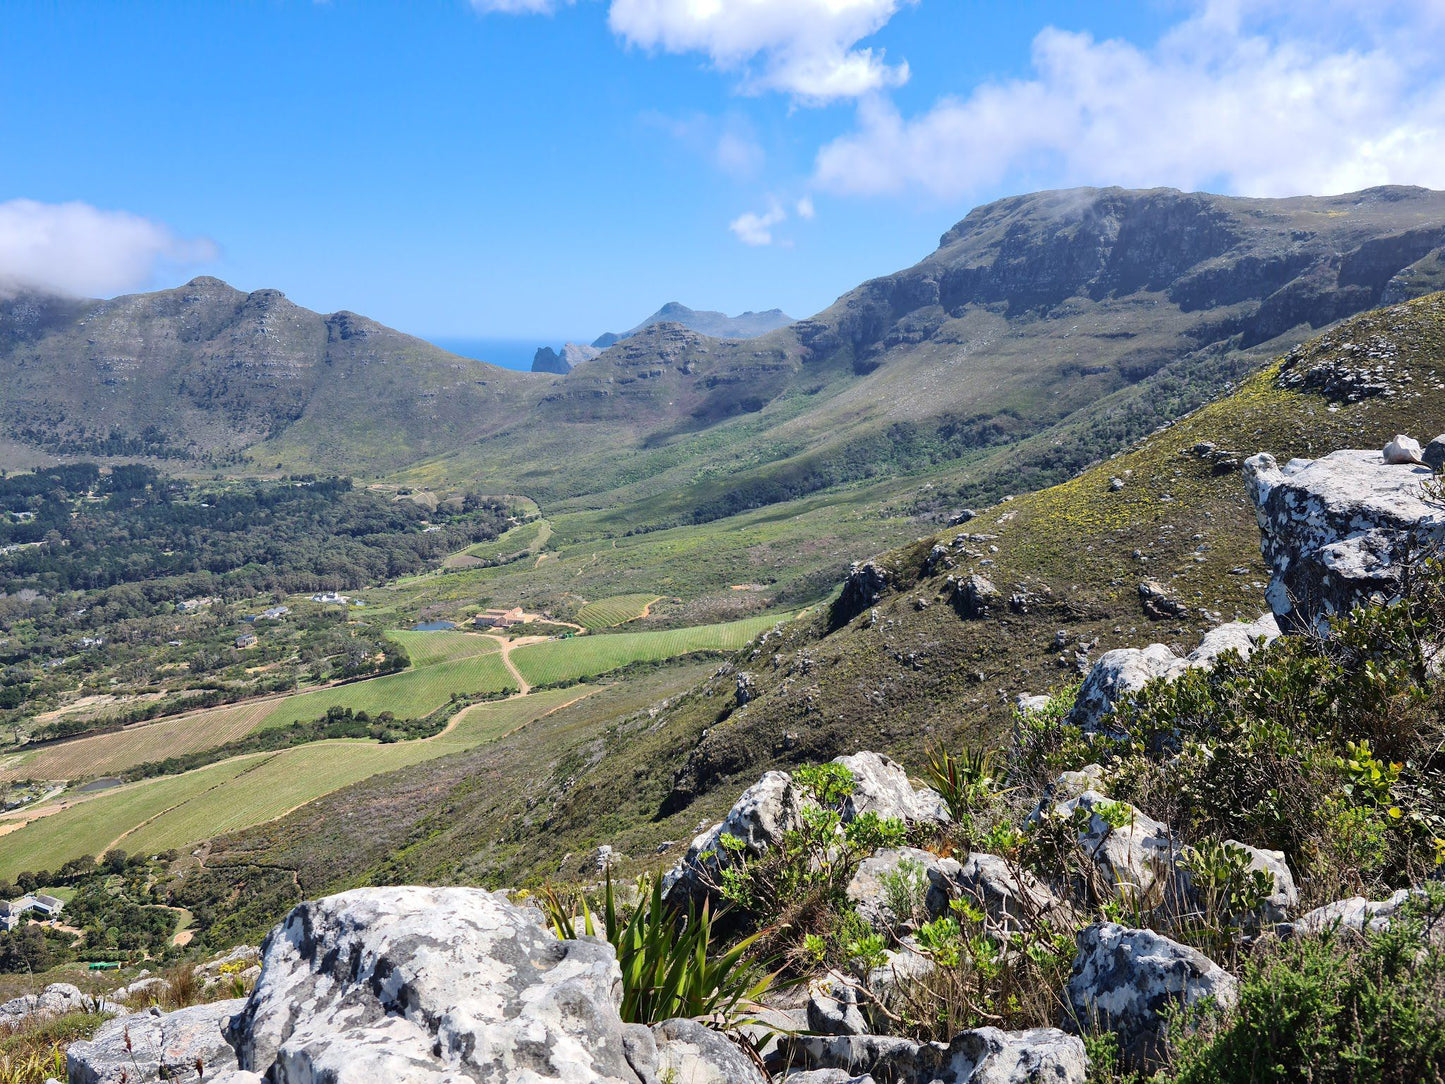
(962, 781)
(670, 963)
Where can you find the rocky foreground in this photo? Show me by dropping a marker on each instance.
(445, 985)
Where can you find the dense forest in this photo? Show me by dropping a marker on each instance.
(127, 581)
(76, 528)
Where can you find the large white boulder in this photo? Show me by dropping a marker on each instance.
(773, 806)
(1334, 531)
(430, 986)
(1121, 674)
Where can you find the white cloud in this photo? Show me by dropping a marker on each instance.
(1245, 95)
(801, 47)
(756, 229)
(805, 208)
(74, 248)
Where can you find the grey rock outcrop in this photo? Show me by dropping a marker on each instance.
(57, 999)
(980, 1056)
(1434, 454)
(1132, 858)
(426, 986)
(1282, 901)
(765, 811)
(1126, 980)
(909, 869)
(881, 786)
(574, 354)
(547, 360)
(1120, 674)
(773, 806)
(153, 1045)
(976, 596)
(1355, 913)
(836, 1005)
(1010, 897)
(1335, 531)
(865, 584)
(692, 1052)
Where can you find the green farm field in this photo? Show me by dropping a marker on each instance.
(409, 694)
(176, 811)
(444, 663)
(426, 648)
(139, 744)
(524, 540)
(587, 656)
(607, 613)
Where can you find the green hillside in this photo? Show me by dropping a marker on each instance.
(912, 669)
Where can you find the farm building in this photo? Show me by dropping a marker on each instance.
(501, 619)
(246, 639)
(47, 906)
(330, 597)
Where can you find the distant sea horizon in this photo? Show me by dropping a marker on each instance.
(508, 353)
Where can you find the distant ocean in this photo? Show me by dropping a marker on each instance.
(508, 353)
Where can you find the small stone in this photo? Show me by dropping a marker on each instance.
(1403, 449)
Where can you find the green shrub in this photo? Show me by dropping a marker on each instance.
(803, 877)
(1337, 1009)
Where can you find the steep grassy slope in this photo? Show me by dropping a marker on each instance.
(912, 669)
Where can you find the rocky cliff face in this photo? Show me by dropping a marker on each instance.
(203, 371)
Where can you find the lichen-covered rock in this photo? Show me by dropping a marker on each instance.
(1285, 897)
(1010, 897)
(835, 1005)
(1125, 981)
(765, 811)
(430, 986)
(1157, 601)
(1072, 784)
(1122, 673)
(865, 584)
(979, 1056)
(976, 596)
(901, 870)
(692, 1052)
(772, 806)
(1132, 857)
(1116, 676)
(881, 786)
(1355, 913)
(152, 1046)
(1334, 531)
(57, 999)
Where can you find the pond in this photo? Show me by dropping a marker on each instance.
(434, 626)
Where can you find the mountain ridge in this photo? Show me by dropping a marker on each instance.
(717, 325)
(1046, 331)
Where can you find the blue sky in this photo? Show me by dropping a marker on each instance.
(544, 169)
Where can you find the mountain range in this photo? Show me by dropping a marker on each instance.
(1044, 332)
(717, 325)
